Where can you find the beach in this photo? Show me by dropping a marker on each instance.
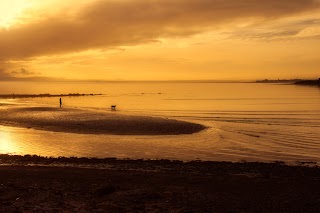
(175, 155)
(37, 184)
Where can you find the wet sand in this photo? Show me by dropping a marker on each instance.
(111, 185)
(72, 120)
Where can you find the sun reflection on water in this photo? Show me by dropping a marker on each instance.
(7, 145)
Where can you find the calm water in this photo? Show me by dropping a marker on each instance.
(263, 122)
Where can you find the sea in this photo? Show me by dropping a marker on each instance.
(245, 121)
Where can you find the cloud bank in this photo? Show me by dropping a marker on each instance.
(105, 24)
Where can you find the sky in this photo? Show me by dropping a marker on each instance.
(159, 39)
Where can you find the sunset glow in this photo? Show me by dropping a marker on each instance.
(159, 40)
(11, 10)
(159, 105)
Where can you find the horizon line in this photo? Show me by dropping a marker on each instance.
(137, 81)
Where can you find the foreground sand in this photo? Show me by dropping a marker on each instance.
(110, 185)
(89, 122)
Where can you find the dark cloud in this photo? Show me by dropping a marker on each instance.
(106, 24)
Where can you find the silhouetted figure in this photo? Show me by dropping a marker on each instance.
(113, 107)
(60, 102)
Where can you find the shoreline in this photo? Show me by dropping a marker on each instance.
(156, 186)
(95, 162)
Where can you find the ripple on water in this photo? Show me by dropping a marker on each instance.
(295, 137)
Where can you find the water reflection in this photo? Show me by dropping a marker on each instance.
(224, 141)
(7, 141)
(247, 122)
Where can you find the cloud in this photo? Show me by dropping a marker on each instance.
(22, 72)
(266, 35)
(24, 75)
(298, 29)
(105, 24)
(3, 74)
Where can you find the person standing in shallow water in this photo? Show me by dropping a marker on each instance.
(60, 102)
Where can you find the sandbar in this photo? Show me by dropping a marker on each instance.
(80, 121)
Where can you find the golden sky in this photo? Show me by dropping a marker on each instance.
(159, 39)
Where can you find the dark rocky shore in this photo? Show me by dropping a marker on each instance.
(38, 184)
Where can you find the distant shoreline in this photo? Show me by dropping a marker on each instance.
(292, 81)
(308, 83)
(46, 95)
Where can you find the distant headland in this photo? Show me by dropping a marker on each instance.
(308, 82)
(46, 95)
(279, 81)
(292, 81)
